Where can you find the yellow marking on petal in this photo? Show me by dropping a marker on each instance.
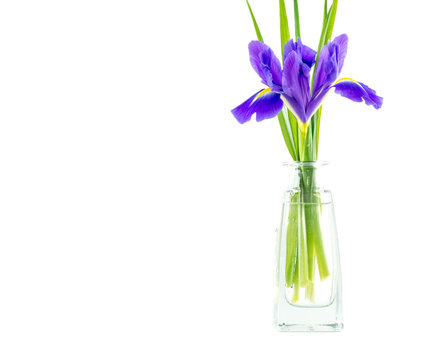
(265, 91)
(346, 79)
(302, 126)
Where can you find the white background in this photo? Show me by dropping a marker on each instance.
(137, 216)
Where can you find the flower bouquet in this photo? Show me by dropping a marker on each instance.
(308, 268)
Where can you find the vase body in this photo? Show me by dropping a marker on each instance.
(307, 271)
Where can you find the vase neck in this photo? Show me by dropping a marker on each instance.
(306, 176)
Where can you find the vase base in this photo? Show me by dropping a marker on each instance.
(310, 328)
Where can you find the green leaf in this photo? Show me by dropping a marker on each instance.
(326, 33)
(294, 129)
(325, 13)
(318, 121)
(297, 23)
(330, 21)
(285, 37)
(283, 119)
(327, 30)
(284, 26)
(313, 152)
(255, 24)
(308, 153)
(311, 141)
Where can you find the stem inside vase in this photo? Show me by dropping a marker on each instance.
(304, 240)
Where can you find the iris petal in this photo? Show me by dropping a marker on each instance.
(266, 104)
(341, 41)
(316, 100)
(288, 48)
(296, 84)
(348, 88)
(331, 60)
(358, 92)
(294, 108)
(308, 56)
(266, 64)
(327, 67)
(305, 53)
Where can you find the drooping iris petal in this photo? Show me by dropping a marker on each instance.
(265, 103)
(244, 111)
(357, 91)
(296, 84)
(305, 53)
(266, 64)
(348, 88)
(268, 106)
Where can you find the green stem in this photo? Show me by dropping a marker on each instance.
(283, 119)
(301, 145)
(296, 287)
(312, 220)
(302, 247)
(310, 291)
(304, 239)
(311, 257)
(291, 239)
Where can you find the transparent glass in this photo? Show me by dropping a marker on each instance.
(307, 275)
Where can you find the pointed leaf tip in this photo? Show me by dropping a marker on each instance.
(255, 24)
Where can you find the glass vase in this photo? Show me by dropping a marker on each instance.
(307, 275)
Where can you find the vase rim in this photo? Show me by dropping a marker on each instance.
(314, 164)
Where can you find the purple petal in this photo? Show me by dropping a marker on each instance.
(341, 41)
(308, 56)
(305, 53)
(316, 100)
(349, 89)
(291, 85)
(266, 106)
(371, 97)
(296, 84)
(266, 64)
(358, 92)
(295, 108)
(288, 48)
(326, 71)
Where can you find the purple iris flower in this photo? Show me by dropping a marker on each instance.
(291, 86)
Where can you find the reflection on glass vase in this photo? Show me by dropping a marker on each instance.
(307, 275)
